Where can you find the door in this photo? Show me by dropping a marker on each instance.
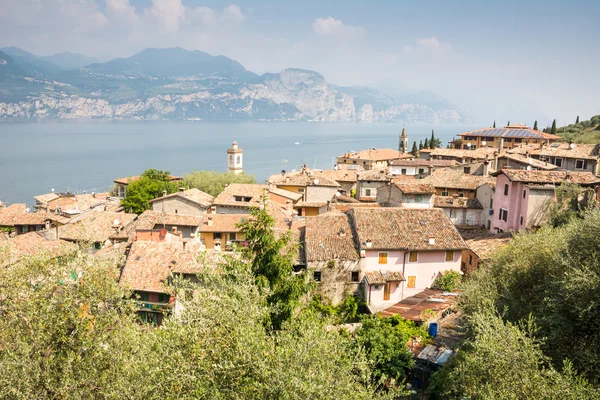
(386, 291)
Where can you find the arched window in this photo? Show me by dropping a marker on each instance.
(231, 158)
(239, 159)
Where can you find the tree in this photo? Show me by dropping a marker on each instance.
(213, 182)
(448, 281)
(414, 150)
(272, 261)
(553, 129)
(494, 123)
(535, 127)
(426, 144)
(572, 202)
(152, 184)
(577, 120)
(434, 143)
(420, 145)
(508, 124)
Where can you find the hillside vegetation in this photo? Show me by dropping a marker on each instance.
(583, 131)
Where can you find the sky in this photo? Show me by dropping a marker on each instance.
(497, 60)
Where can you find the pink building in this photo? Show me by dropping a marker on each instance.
(404, 251)
(522, 196)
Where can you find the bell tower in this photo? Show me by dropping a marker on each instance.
(235, 158)
(403, 142)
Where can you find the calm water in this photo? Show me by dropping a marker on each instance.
(88, 155)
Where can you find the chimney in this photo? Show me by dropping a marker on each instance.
(210, 221)
(181, 189)
(500, 143)
(174, 230)
(213, 209)
(431, 241)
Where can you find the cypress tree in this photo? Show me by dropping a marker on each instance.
(426, 145)
(420, 145)
(577, 120)
(494, 123)
(535, 126)
(414, 151)
(553, 130)
(508, 123)
(432, 142)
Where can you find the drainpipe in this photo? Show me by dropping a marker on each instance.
(403, 270)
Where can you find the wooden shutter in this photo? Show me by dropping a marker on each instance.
(412, 280)
(449, 255)
(412, 256)
(383, 258)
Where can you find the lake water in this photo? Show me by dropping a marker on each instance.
(88, 155)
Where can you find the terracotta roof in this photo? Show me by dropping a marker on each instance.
(548, 177)
(528, 160)
(485, 247)
(130, 179)
(561, 150)
(377, 155)
(406, 229)
(312, 204)
(448, 178)
(511, 131)
(32, 243)
(380, 278)
(286, 193)
(302, 179)
(44, 198)
(456, 202)
(330, 237)
(194, 195)
(374, 175)
(149, 264)
(419, 162)
(338, 175)
(146, 220)
(16, 214)
(415, 187)
(414, 307)
(254, 191)
(350, 206)
(481, 153)
(222, 222)
(80, 202)
(94, 226)
(342, 198)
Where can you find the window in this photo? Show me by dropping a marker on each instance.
(470, 258)
(580, 164)
(461, 195)
(149, 318)
(418, 198)
(163, 298)
(317, 276)
(491, 203)
(383, 258)
(412, 282)
(403, 171)
(467, 170)
(503, 215)
(444, 193)
(518, 140)
(216, 235)
(239, 159)
(97, 245)
(449, 255)
(489, 224)
(354, 276)
(412, 256)
(300, 190)
(231, 235)
(421, 171)
(176, 211)
(506, 189)
(367, 192)
(521, 220)
(524, 193)
(558, 162)
(25, 228)
(353, 161)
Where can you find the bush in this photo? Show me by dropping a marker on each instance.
(448, 281)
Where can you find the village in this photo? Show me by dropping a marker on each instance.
(383, 225)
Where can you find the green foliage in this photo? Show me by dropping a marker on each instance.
(504, 361)
(572, 201)
(349, 310)
(554, 276)
(434, 143)
(420, 145)
(213, 182)
(577, 120)
(152, 184)
(272, 260)
(448, 281)
(582, 131)
(494, 123)
(426, 144)
(415, 150)
(553, 129)
(385, 342)
(535, 126)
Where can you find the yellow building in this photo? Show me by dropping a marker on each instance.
(220, 231)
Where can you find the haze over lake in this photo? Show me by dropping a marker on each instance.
(88, 155)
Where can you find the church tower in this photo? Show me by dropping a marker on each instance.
(235, 158)
(403, 142)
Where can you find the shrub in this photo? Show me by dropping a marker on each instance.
(448, 281)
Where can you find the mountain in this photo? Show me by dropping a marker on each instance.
(9, 69)
(67, 60)
(30, 63)
(179, 84)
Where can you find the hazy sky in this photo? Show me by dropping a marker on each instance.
(503, 60)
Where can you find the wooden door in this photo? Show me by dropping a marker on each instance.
(386, 291)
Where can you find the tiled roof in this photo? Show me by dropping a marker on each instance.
(481, 153)
(528, 160)
(32, 243)
(222, 222)
(415, 187)
(94, 226)
(80, 202)
(448, 178)
(130, 179)
(406, 229)
(561, 150)
(456, 202)
(16, 214)
(286, 193)
(330, 237)
(195, 195)
(377, 155)
(548, 177)
(338, 175)
(342, 198)
(302, 178)
(313, 204)
(44, 198)
(380, 278)
(511, 131)
(419, 162)
(149, 264)
(193, 262)
(485, 247)
(254, 191)
(374, 175)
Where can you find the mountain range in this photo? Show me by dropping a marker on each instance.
(179, 84)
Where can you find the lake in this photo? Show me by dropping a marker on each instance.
(88, 155)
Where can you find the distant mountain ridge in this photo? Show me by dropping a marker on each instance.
(175, 83)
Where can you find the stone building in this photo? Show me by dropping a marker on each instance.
(191, 202)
